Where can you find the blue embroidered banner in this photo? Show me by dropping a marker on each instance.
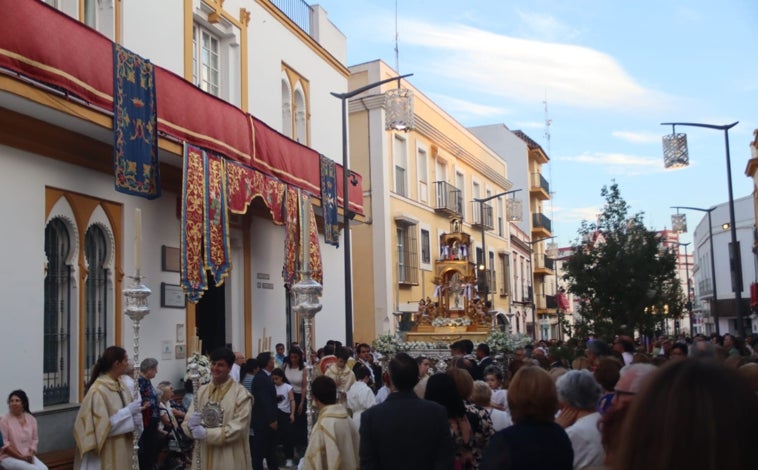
(329, 200)
(135, 130)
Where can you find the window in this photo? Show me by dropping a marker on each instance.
(57, 314)
(295, 115)
(96, 297)
(505, 270)
(79, 291)
(401, 164)
(491, 268)
(460, 184)
(205, 60)
(407, 255)
(286, 107)
(423, 176)
(426, 254)
(500, 228)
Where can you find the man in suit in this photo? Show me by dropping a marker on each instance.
(483, 356)
(264, 416)
(405, 432)
(365, 358)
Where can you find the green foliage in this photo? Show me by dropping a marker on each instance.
(625, 280)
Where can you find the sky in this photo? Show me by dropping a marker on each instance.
(604, 73)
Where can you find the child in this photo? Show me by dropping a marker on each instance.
(493, 375)
(285, 401)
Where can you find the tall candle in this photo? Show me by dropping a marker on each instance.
(138, 240)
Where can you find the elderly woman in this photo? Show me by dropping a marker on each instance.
(19, 430)
(578, 396)
(151, 439)
(535, 440)
(482, 396)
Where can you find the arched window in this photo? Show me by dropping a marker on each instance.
(57, 313)
(96, 297)
(286, 108)
(301, 113)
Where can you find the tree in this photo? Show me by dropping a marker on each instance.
(626, 282)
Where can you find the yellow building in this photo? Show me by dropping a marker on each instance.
(415, 185)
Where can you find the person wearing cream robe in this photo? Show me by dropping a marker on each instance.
(333, 444)
(106, 418)
(227, 446)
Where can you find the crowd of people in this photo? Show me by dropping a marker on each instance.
(622, 404)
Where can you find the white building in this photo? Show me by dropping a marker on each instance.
(69, 235)
(725, 313)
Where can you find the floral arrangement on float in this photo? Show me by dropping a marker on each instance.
(500, 341)
(203, 367)
(460, 321)
(387, 343)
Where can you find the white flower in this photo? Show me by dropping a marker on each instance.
(203, 368)
(461, 321)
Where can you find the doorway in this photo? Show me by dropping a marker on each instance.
(210, 317)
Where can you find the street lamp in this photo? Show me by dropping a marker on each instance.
(675, 156)
(531, 280)
(714, 314)
(396, 123)
(483, 266)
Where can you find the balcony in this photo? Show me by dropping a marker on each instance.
(541, 226)
(482, 216)
(296, 10)
(448, 199)
(539, 186)
(543, 265)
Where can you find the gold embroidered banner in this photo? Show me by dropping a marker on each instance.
(291, 237)
(217, 222)
(317, 271)
(193, 278)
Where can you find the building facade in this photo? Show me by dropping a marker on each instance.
(416, 184)
(72, 236)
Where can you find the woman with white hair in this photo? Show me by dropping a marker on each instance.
(578, 395)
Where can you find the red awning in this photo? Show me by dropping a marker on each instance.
(43, 44)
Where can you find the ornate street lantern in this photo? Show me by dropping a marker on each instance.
(513, 210)
(398, 106)
(679, 223)
(675, 153)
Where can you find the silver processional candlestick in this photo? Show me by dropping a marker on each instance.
(194, 374)
(307, 292)
(136, 308)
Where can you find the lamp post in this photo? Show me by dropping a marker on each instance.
(714, 299)
(675, 156)
(346, 213)
(483, 266)
(531, 280)
(688, 304)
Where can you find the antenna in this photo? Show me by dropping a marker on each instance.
(397, 49)
(548, 122)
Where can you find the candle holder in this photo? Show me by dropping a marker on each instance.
(136, 309)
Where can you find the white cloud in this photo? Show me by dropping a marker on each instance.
(463, 109)
(619, 163)
(525, 70)
(638, 137)
(546, 26)
(577, 214)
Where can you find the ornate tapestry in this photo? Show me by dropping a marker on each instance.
(329, 200)
(193, 278)
(217, 224)
(135, 131)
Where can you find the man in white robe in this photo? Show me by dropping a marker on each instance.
(219, 418)
(333, 444)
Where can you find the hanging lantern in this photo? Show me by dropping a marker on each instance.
(675, 151)
(679, 223)
(398, 106)
(513, 210)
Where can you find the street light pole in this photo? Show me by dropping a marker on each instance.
(714, 299)
(346, 213)
(481, 202)
(735, 260)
